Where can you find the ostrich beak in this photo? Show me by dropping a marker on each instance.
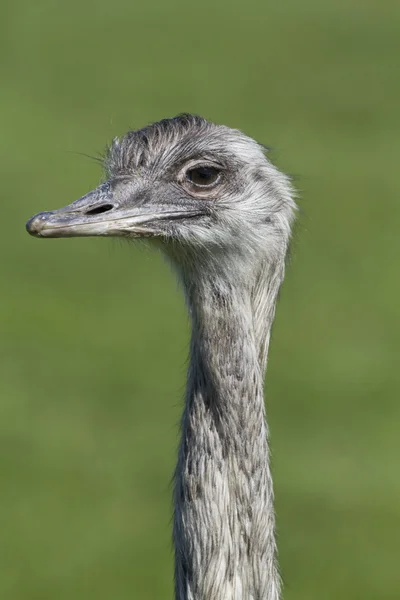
(102, 213)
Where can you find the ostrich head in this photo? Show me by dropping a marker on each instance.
(205, 192)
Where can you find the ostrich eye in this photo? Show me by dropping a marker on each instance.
(203, 176)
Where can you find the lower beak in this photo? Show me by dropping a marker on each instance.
(98, 214)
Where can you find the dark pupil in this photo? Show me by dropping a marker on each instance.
(203, 175)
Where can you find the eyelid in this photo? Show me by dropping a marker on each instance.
(206, 164)
(198, 164)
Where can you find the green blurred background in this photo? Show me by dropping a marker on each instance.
(94, 334)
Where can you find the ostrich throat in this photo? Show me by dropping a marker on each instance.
(224, 518)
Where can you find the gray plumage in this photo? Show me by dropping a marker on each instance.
(221, 212)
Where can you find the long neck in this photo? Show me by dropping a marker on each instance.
(224, 518)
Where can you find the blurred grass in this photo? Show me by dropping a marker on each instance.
(94, 333)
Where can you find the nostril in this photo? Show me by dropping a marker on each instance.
(100, 209)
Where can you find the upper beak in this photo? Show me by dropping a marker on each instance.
(99, 213)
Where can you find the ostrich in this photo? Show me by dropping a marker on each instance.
(221, 213)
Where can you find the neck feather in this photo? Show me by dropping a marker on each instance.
(224, 518)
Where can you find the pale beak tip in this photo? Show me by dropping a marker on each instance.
(35, 224)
